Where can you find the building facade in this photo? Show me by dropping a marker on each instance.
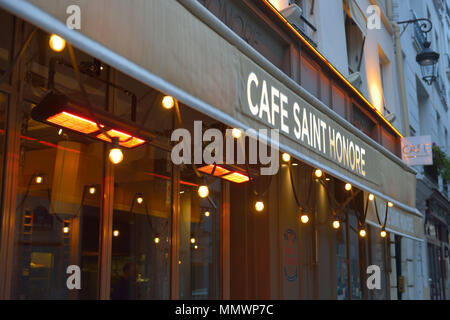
(310, 77)
(428, 115)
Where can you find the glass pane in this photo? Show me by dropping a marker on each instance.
(3, 108)
(199, 238)
(341, 264)
(141, 225)
(354, 257)
(57, 212)
(6, 25)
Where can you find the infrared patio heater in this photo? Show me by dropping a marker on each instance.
(59, 110)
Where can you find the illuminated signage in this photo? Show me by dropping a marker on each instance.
(280, 109)
(417, 151)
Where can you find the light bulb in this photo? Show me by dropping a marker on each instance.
(259, 206)
(203, 191)
(390, 204)
(38, 179)
(383, 234)
(348, 186)
(236, 133)
(371, 197)
(336, 224)
(193, 240)
(116, 233)
(304, 218)
(196, 247)
(156, 240)
(168, 102)
(318, 173)
(207, 213)
(362, 233)
(92, 190)
(57, 43)
(66, 230)
(115, 155)
(139, 199)
(286, 157)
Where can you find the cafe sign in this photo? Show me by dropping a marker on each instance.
(417, 151)
(278, 107)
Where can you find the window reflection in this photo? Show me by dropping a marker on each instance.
(56, 216)
(199, 238)
(142, 207)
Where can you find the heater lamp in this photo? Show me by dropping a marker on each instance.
(59, 111)
(225, 173)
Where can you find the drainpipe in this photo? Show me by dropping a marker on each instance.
(400, 69)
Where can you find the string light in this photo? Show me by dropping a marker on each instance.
(116, 233)
(207, 213)
(348, 186)
(286, 157)
(304, 218)
(362, 232)
(193, 240)
(371, 197)
(115, 154)
(156, 239)
(196, 247)
(318, 173)
(390, 204)
(383, 233)
(203, 191)
(168, 102)
(139, 199)
(66, 230)
(57, 43)
(236, 133)
(38, 179)
(259, 206)
(92, 190)
(336, 224)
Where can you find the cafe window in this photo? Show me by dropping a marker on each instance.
(199, 237)
(141, 225)
(57, 211)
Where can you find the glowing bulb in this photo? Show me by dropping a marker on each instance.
(139, 199)
(57, 43)
(236, 133)
(286, 157)
(259, 206)
(60, 131)
(336, 224)
(371, 197)
(115, 155)
(207, 213)
(196, 247)
(92, 190)
(362, 233)
(38, 179)
(318, 173)
(193, 240)
(304, 218)
(156, 240)
(168, 102)
(116, 233)
(203, 191)
(66, 229)
(348, 186)
(383, 234)
(390, 204)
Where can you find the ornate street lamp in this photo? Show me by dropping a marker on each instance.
(427, 59)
